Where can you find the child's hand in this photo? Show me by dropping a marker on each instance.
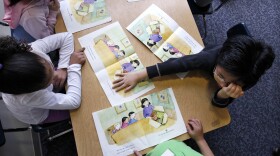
(137, 153)
(78, 57)
(195, 129)
(59, 79)
(54, 5)
(232, 90)
(128, 80)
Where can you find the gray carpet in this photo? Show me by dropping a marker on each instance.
(255, 125)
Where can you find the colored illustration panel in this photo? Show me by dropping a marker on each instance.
(88, 11)
(142, 116)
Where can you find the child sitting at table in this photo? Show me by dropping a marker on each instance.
(27, 78)
(236, 67)
(31, 19)
(176, 148)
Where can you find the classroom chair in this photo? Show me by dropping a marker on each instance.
(47, 131)
(238, 29)
(207, 10)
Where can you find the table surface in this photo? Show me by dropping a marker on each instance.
(193, 93)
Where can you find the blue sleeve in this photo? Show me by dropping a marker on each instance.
(205, 60)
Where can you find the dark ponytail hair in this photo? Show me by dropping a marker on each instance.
(246, 59)
(22, 71)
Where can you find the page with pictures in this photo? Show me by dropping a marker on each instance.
(153, 27)
(139, 124)
(129, 64)
(83, 14)
(179, 44)
(109, 52)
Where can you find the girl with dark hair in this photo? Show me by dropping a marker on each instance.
(27, 78)
(31, 19)
(125, 121)
(147, 107)
(236, 66)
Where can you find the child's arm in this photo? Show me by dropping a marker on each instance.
(47, 99)
(204, 60)
(62, 41)
(195, 130)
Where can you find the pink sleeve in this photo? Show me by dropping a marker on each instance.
(35, 22)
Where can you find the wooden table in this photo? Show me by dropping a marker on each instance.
(193, 93)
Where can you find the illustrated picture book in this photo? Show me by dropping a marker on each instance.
(83, 14)
(110, 52)
(139, 124)
(162, 35)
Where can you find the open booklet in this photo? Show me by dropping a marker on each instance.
(139, 124)
(109, 52)
(82, 14)
(162, 35)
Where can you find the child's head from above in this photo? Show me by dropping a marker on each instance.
(131, 115)
(22, 71)
(145, 102)
(135, 63)
(125, 119)
(242, 61)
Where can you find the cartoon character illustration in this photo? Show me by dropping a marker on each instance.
(155, 29)
(131, 66)
(117, 127)
(84, 8)
(172, 50)
(147, 107)
(160, 117)
(115, 49)
(125, 122)
(132, 119)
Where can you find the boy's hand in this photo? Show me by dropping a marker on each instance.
(78, 57)
(232, 90)
(59, 79)
(54, 5)
(128, 80)
(195, 129)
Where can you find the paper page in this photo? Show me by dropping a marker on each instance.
(126, 65)
(179, 44)
(83, 14)
(153, 27)
(109, 52)
(124, 128)
(106, 46)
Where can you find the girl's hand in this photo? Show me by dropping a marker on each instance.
(232, 90)
(59, 79)
(78, 57)
(54, 5)
(128, 80)
(195, 129)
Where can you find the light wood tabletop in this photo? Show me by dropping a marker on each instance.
(193, 93)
